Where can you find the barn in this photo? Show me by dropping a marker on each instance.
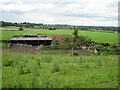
(30, 40)
(60, 37)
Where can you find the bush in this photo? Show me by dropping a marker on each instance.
(8, 62)
(52, 28)
(75, 53)
(20, 29)
(51, 48)
(105, 44)
(113, 46)
(17, 35)
(55, 42)
(55, 68)
(98, 49)
(23, 69)
(66, 43)
(4, 45)
(38, 62)
(46, 59)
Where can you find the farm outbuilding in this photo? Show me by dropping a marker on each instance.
(30, 40)
(118, 46)
(60, 37)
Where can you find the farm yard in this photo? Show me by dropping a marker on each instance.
(35, 50)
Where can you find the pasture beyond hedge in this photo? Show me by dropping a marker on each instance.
(103, 37)
(58, 71)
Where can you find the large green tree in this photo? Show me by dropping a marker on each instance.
(75, 38)
(79, 41)
(76, 42)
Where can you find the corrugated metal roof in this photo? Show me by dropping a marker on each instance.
(31, 38)
(30, 35)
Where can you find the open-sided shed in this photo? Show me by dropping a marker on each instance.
(34, 41)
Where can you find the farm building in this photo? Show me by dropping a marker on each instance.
(118, 46)
(30, 40)
(59, 37)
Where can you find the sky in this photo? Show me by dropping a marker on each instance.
(72, 12)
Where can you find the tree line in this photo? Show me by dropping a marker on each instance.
(58, 26)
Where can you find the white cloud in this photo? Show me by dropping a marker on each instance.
(35, 17)
(79, 12)
(26, 7)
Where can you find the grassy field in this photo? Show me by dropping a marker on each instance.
(59, 71)
(17, 28)
(97, 36)
(11, 27)
(56, 71)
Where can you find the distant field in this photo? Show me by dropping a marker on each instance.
(14, 27)
(17, 28)
(58, 71)
(10, 27)
(97, 36)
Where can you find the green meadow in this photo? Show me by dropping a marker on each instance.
(103, 37)
(58, 71)
(22, 70)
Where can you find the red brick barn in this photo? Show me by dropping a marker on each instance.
(59, 37)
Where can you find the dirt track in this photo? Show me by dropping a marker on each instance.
(35, 50)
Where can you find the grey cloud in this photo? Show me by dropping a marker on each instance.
(58, 14)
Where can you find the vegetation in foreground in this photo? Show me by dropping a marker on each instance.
(56, 71)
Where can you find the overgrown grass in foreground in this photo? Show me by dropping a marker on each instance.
(41, 71)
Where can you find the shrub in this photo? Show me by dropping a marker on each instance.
(91, 48)
(55, 42)
(23, 69)
(52, 28)
(4, 45)
(20, 29)
(105, 44)
(55, 68)
(66, 43)
(8, 62)
(46, 59)
(75, 53)
(113, 46)
(17, 35)
(38, 62)
(98, 49)
(53, 47)
(49, 48)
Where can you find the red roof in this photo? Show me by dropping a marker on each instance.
(118, 46)
(60, 37)
(91, 47)
(60, 47)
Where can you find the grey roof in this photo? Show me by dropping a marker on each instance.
(31, 38)
(30, 35)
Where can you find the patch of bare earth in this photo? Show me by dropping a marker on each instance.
(36, 50)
